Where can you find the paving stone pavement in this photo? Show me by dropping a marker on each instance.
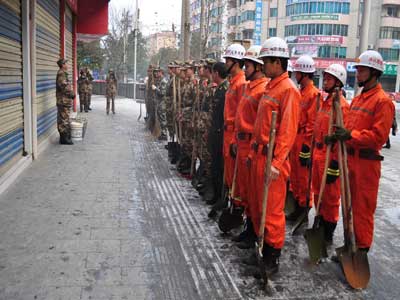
(108, 218)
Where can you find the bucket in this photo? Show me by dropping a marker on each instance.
(76, 131)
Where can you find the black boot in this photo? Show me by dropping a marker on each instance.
(69, 139)
(297, 212)
(329, 229)
(64, 139)
(247, 238)
(271, 259)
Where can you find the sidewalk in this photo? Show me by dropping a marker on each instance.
(109, 218)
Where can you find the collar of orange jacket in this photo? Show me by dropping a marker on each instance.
(274, 82)
(254, 83)
(372, 91)
(236, 77)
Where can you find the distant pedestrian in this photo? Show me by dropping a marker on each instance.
(111, 91)
(65, 96)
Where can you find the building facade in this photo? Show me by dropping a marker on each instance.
(163, 39)
(328, 30)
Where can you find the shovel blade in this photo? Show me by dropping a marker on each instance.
(261, 265)
(290, 203)
(355, 267)
(300, 221)
(316, 244)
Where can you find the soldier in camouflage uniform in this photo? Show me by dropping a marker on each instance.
(169, 101)
(65, 96)
(204, 124)
(150, 109)
(160, 90)
(90, 87)
(188, 99)
(111, 91)
(83, 90)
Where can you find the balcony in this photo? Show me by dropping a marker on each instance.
(390, 22)
(391, 2)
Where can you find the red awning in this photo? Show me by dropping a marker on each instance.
(92, 19)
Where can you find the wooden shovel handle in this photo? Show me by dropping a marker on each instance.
(327, 160)
(345, 176)
(268, 164)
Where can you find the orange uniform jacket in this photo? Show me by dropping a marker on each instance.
(244, 125)
(329, 208)
(232, 98)
(370, 120)
(299, 173)
(282, 96)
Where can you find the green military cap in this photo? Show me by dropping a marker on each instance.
(210, 61)
(150, 67)
(190, 64)
(111, 71)
(61, 62)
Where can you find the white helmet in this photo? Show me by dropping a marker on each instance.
(289, 66)
(274, 47)
(370, 58)
(304, 64)
(338, 71)
(235, 51)
(253, 53)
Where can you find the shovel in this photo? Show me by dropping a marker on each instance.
(354, 262)
(267, 171)
(303, 217)
(315, 236)
(231, 217)
(174, 144)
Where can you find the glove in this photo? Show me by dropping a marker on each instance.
(342, 134)
(72, 96)
(233, 150)
(330, 139)
(305, 156)
(332, 172)
(153, 87)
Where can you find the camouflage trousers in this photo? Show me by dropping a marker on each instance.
(84, 101)
(89, 99)
(150, 109)
(205, 154)
(169, 111)
(187, 137)
(110, 100)
(161, 115)
(63, 121)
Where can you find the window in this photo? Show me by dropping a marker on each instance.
(389, 54)
(273, 12)
(332, 52)
(316, 29)
(248, 34)
(272, 32)
(392, 33)
(392, 11)
(314, 7)
(248, 15)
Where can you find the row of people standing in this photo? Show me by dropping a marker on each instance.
(85, 89)
(237, 130)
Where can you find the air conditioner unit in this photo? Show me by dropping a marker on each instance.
(371, 46)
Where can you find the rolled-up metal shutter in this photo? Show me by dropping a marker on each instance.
(47, 54)
(11, 104)
(68, 40)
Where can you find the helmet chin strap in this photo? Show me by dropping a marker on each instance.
(254, 72)
(230, 68)
(301, 79)
(362, 83)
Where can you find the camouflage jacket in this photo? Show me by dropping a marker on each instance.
(64, 90)
(111, 89)
(83, 84)
(90, 80)
(189, 98)
(217, 107)
(161, 89)
(205, 111)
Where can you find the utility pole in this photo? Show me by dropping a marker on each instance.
(186, 46)
(135, 32)
(182, 42)
(202, 29)
(268, 16)
(365, 22)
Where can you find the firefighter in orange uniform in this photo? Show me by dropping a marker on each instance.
(366, 130)
(334, 76)
(234, 64)
(282, 96)
(240, 146)
(300, 156)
